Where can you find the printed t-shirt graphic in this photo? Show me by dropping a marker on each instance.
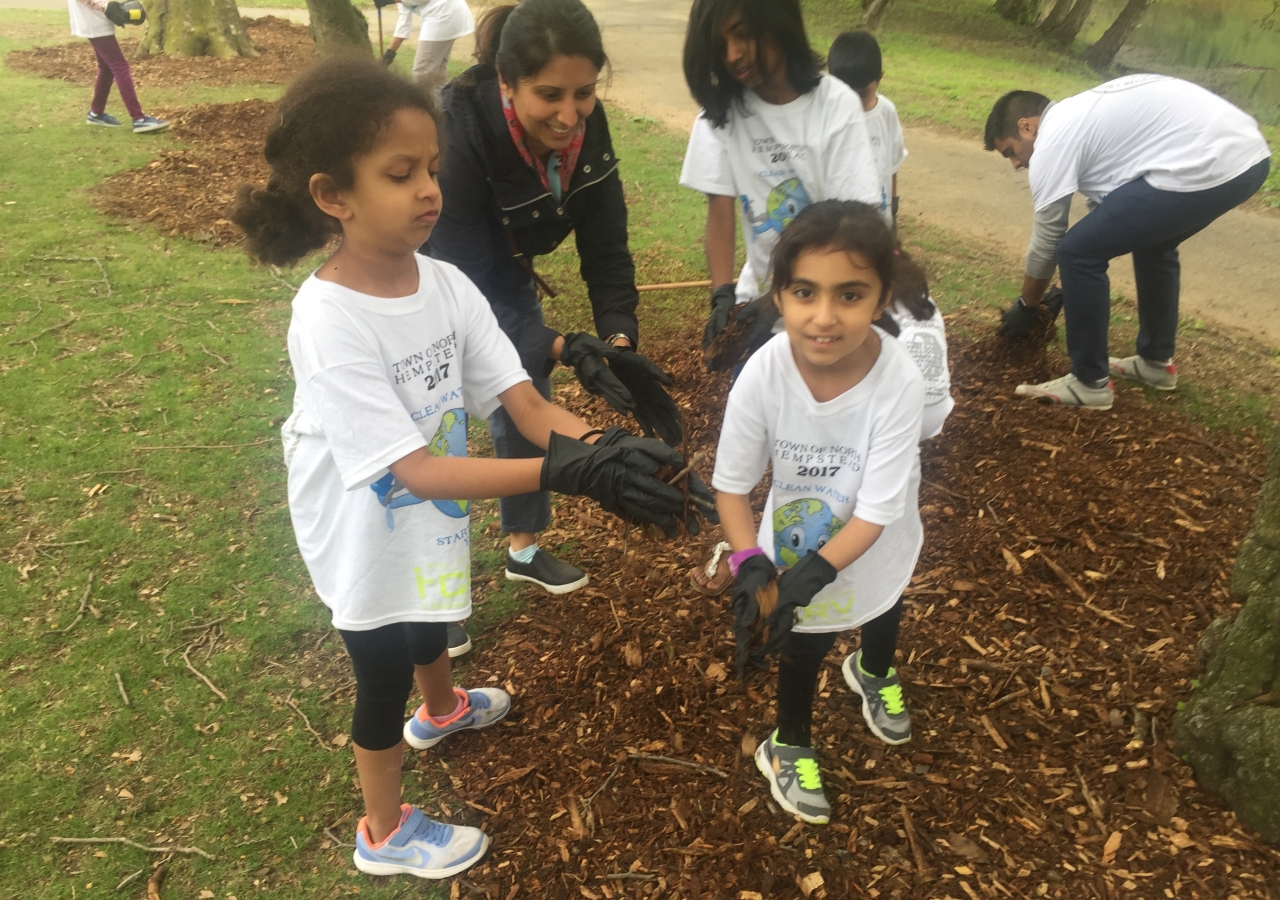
(776, 159)
(853, 455)
(378, 378)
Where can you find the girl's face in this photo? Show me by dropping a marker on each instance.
(553, 104)
(752, 60)
(394, 201)
(828, 309)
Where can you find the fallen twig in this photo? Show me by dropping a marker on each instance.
(187, 659)
(209, 352)
(328, 832)
(1065, 577)
(671, 760)
(948, 491)
(630, 876)
(92, 259)
(84, 602)
(1009, 698)
(128, 843)
(120, 684)
(922, 868)
(39, 334)
(600, 789)
(203, 626)
(1094, 806)
(61, 543)
(1109, 616)
(674, 285)
(155, 881)
(129, 879)
(275, 273)
(293, 705)
(206, 446)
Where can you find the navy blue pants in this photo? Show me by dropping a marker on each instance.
(530, 512)
(1136, 218)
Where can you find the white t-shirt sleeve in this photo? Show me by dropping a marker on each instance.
(490, 362)
(706, 163)
(882, 496)
(404, 24)
(745, 440)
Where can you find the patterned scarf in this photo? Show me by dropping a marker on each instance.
(568, 157)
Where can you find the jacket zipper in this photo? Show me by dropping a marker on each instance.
(566, 197)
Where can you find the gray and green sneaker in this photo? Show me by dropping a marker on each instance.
(1160, 376)
(1070, 391)
(794, 780)
(882, 703)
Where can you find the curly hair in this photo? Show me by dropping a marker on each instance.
(328, 117)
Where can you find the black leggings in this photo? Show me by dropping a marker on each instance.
(801, 658)
(383, 659)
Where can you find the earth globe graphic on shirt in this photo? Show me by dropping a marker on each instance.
(801, 527)
(451, 440)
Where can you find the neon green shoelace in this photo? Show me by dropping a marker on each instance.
(807, 772)
(892, 697)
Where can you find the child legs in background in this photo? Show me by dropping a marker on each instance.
(112, 66)
(786, 757)
(869, 672)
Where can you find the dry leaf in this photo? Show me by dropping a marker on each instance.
(206, 895)
(281, 799)
(750, 895)
(575, 818)
(1181, 841)
(339, 740)
(749, 744)
(717, 672)
(811, 883)
(510, 775)
(1110, 848)
(125, 794)
(1011, 562)
(632, 656)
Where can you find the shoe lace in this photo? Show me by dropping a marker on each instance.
(433, 832)
(893, 701)
(808, 775)
(477, 700)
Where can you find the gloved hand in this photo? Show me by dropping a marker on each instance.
(723, 299)
(1019, 319)
(618, 475)
(381, 3)
(750, 326)
(654, 409)
(755, 573)
(388, 57)
(116, 14)
(796, 588)
(701, 503)
(588, 355)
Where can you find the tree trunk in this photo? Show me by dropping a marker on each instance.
(338, 27)
(195, 28)
(1061, 35)
(1056, 14)
(873, 12)
(1103, 53)
(1020, 12)
(1229, 731)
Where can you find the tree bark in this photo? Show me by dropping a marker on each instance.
(1056, 14)
(1061, 35)
(1229, 731)
(873, 12)
(338, 27)
(1020, 12)
(1103, 53)
(195, 28)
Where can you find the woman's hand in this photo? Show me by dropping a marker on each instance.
(589, 356)
(653, 407)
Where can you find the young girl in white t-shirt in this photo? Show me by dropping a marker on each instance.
(391, 353)
(835, 405)
(774, 135)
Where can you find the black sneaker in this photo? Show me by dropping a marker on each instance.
(548, 572)
(459, 640)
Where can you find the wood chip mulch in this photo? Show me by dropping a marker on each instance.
(1071, 562)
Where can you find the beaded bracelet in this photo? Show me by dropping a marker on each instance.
(737, 559)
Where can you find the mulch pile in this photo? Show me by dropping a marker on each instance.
(1071, 562)
(188, 192)
(284, 50)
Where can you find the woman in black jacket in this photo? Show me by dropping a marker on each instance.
(528, 158)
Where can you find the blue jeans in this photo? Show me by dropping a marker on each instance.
(522, 512)
(1136, 218)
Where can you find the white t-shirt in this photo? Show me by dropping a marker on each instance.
(1175, 134)
(777, 159)
(926, 343)
(378, 378)
(887, 146)
(853, 455)
(442, 20)
(87, 22)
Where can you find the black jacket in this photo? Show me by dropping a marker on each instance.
(487, 188)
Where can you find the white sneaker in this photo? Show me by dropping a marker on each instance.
(1135, 368)
(1070, 391)
(421, 847)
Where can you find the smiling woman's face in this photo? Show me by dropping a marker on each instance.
(554, 104)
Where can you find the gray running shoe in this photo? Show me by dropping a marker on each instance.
(1070, 391)
(1135, 368)
(547, 572)
(459, 640)
(794, 780)
(882, 703)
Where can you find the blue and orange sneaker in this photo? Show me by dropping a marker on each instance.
(481, 707)
(420, 846)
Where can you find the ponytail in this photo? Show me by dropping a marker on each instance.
(489, 34)
(520, 40)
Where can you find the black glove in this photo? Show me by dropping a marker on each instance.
(1018, 320)
(654, 409)
(116, 14)
(588, 355)
(701, 503)
(754, 573)
(381, 3)
(389, 57)
(618, 475)
(760, 313)
(796, 588)
(723, 299)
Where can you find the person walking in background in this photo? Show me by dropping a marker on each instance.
(97, 21)
(443, 22)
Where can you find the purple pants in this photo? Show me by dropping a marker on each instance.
(113, 67)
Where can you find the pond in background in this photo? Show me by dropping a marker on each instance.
(1230, 46)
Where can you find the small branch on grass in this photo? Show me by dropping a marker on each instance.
(991, 510)
(61, 543)
(39, 334)
(293, 705)
(84, 602)
(697, 459)
(328, 832)
(947, 491)
(120, 684)
(155, 881)
(187, 659)
(206, 446)
(128, 843)
(209, 352)
(93, 259)
(275, 273)
(203, 626)
(133, 365)
(600, 789)
(129, 879)
(671, 760)
(922, 868)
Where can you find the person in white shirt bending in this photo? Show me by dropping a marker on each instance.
(835, 406)
(1158, 159)
(392, 352)
(855, 59)
(774, 135)
(443, 22)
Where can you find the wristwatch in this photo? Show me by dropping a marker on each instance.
(620, 337)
